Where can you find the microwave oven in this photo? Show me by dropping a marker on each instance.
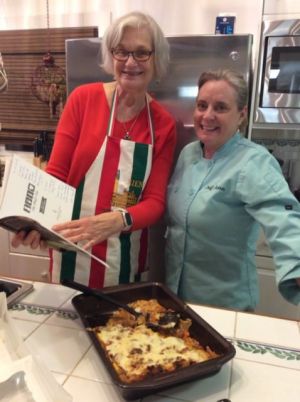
(278, 82)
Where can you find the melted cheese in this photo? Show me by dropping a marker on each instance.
(135, 350)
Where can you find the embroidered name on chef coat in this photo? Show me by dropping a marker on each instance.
(219, 188)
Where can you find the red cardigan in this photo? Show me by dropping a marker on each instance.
(81, 132)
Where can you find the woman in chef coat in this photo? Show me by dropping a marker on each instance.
(224, 188)
(115, 144)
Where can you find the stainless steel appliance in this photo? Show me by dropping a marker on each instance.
(278, 99)
(189, 56)
(276, 112)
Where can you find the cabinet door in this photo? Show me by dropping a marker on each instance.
(271, 301)
(29, 267)
(26, 263)
(22, 262)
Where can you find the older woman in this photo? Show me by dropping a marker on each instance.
(223, 189)
(115, 144)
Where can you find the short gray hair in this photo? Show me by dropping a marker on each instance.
(115, 31)
(235, 80)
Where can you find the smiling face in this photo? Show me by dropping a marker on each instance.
(131, 75)
(216, 116)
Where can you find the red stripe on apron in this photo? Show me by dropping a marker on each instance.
(97, 273)
(105, 191)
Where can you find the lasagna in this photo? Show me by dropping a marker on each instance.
(137, 351)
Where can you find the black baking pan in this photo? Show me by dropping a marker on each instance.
(94, 312)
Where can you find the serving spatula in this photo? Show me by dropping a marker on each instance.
(168, 320)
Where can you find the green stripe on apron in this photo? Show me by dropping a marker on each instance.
(138, 169)
(125, 244)
(78, 200)
(68, 259)
(136, 187)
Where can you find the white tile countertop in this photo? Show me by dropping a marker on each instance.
(266, 367)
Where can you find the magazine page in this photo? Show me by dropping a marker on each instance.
(53, 239)
(31, 192)
(34, 200)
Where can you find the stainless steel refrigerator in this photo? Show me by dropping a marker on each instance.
(189, 56)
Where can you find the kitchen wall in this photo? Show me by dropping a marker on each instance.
(175, 17)
(29, 14)
(286, 7)
(178, 16)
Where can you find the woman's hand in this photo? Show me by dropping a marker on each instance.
(92, 229)
(31, 239)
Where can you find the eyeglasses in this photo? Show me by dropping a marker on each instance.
(138, 55)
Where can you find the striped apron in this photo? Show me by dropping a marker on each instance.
(115, 179)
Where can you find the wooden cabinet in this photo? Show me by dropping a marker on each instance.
(22, 262)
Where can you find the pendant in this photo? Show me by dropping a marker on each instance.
(127, 136)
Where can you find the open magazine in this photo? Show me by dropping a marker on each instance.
(32, 199)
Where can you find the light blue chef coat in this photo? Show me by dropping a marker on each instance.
(215, 209)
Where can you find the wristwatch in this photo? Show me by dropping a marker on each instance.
(127, 219)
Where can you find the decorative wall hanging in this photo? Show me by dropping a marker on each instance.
(3, 76)
(48, 83)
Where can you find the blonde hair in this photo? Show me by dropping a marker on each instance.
(115, 31)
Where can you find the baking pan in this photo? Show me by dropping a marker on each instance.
(94, 312)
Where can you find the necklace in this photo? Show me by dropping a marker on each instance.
(128, 130)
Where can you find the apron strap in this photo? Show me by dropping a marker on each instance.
(112, 114)
(150, 122)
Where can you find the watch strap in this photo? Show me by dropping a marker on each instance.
(127, 219)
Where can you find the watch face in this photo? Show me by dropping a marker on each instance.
(128, 218)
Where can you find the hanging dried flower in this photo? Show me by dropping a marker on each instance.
(48, 84)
